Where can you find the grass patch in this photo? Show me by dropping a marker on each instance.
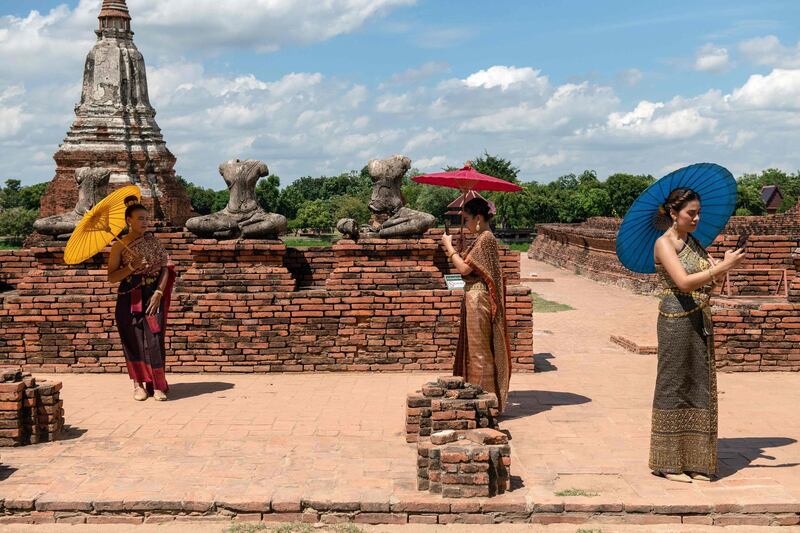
(577, 492)
(518, 246)
(4, 246)
(589, 531)
(298, 242)
(542, 305)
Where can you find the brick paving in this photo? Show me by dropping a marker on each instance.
(335, 443)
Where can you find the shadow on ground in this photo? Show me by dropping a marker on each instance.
(180, 391)
(6, 472)
(523, 403)
(541, 362)
(71, 432)
(738, 453)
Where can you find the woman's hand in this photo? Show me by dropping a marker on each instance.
(153, 304)
(733, 258)
(138, 264)
(447, 242)
(713, 262)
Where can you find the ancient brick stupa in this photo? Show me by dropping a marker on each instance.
(115, 128)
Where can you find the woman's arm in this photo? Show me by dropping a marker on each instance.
(666, 255)
(454, 257)
(117, 272)
(155, 299)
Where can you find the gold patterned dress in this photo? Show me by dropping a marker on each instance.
(483, 354)
(684, 430)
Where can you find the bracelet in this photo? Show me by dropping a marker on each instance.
(159, 291)
(450, 256)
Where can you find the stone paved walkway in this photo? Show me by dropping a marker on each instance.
(244, 441)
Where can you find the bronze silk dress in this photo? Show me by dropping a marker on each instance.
(483, 354)
(684, 430)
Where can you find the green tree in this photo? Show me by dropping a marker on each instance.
(623, 189)
(16, 223)
(220, 200)
(350, 207)
(268, 193)
(313, 214)
(201, 199)
(497, 167)
(748, 196)
(30, 197)
(11, 193)
(434, 200)
(289, 201)
(594, 202)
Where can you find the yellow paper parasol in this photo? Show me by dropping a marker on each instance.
(99, 226)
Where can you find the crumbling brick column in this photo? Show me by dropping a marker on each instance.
(464, 464)
(449, 403)
(30, 412)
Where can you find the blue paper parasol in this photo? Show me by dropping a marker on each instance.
(638, 233)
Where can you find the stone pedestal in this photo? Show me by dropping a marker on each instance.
(240, 266)
(385, 264)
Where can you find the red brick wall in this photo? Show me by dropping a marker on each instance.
(13, 266)
(753, 336)
(61, 319)
(310, 266)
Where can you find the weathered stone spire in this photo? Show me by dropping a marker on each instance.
(114, 17)
(115, 127)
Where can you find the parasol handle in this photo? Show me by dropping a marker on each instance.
(123, 244)
(461, 233)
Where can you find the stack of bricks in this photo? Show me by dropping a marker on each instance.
(237, 266)
(464, 464)
(30, 412)
(385, 264)
(449, 403)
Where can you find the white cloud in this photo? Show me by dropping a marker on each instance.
(423, 140)
(503, 77)
(769, 51)
(712, 59)
(431, 163)
(780, 89)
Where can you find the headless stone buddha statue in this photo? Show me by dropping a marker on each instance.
(92, 186)
(242, 217)
(390, 216)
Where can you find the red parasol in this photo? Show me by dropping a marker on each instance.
(467, 179)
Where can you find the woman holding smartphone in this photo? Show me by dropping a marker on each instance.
(683, 445)
(483, 354)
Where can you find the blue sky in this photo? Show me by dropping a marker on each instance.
(613, 85)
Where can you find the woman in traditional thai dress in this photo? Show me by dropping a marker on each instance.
(683, 445)
(146, 274)
(483, 355)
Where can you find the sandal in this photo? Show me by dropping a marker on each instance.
(139, 394)
(159, 395)
(680, 478)
(699, 477)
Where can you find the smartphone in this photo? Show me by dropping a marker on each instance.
(742, 241)
(446, 227)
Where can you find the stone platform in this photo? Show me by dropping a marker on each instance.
(330, 447)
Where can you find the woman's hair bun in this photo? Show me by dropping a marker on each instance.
(131, 200)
